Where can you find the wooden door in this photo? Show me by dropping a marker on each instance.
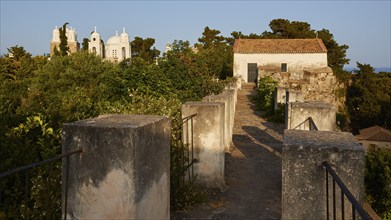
(252, 72)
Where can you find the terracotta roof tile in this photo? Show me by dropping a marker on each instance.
(314, 45)
(375, 133)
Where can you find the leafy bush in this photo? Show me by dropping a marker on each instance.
(378, 180)
(35, 102)
(265, 95)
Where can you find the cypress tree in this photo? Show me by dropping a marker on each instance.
(64, 49)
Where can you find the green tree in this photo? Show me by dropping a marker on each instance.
(368, 98)
(215, 53)
(240, 35)
(143, 48)
(210, 38)
(85, 44)
(364, 69)
(378, 180)
(18, 63)
(18, 53)
(64, 49)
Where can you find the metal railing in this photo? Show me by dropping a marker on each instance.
(311, 126)
(188, 160)
(27, 169)
(344, 192)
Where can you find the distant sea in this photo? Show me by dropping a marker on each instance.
(377, 69)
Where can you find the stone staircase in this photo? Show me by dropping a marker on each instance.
(248, 86)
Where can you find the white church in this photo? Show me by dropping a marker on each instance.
(116, 49)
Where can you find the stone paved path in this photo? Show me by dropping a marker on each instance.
(252, 170)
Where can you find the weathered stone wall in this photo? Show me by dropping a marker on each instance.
(283, 96)
(303, 177)
(208, 142)
(321, 86)
(123, 171)
(323, 114)
(212, 134)
(316, 84)
(228, 101)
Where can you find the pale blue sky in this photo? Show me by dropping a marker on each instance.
(365, 26)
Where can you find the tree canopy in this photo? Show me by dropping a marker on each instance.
(64, 49)
(144, 49)
(369, 98)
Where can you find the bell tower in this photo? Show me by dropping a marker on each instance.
(95, 44)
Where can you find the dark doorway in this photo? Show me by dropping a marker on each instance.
(252, 72)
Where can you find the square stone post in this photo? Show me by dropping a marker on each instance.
(232, 105)
(123, 171)
(323, 115)
(208, 134)
(227, 100)
(304, 178)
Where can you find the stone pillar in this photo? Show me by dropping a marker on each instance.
(323, 114)
(279, 96)
(208, 134)
(295, 96)
(226, 100)
(303, 176)
(123, 171)
(232, 93)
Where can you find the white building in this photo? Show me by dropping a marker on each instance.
(71, 34)
(117, 47)
(96, 45)
(277, 56)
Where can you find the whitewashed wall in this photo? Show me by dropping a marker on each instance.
(296, 61)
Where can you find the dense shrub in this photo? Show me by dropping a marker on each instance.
(265, 95)
(264, 100)
(35, 104)
(378, 180)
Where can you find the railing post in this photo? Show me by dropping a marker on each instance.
(303, 176)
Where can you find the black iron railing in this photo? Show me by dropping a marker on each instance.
(28, 169)
(355, 206)
(188, 156)
(307, 124)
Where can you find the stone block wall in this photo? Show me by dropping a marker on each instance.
(303, 176)
(323, 114)
(315, 84)
(321, 86)
(123, 171)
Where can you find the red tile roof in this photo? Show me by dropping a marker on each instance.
(374, 133)
(314, 45)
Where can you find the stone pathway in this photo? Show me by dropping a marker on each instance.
(252, 170)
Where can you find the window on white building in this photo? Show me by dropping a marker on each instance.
(123, 53)
(284, 67)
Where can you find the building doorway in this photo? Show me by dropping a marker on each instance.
(252, 72)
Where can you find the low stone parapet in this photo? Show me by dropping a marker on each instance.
(303, 176)
(124, 170)
(323, 115)
(208, 141)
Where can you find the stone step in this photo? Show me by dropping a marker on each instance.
(248, 86)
